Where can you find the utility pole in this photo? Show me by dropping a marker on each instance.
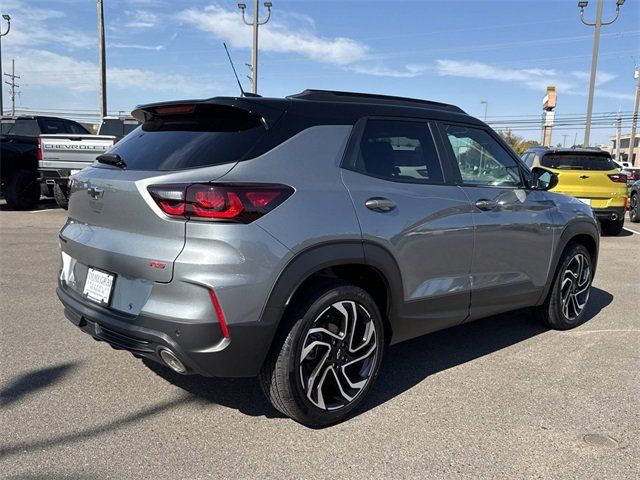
(102, 60)
(13, 85)
(8, 19)
(255, 23)
(618, 127)
(564, 140)
(634, 119)
(594, 59)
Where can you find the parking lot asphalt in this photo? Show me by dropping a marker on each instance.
(497, 398)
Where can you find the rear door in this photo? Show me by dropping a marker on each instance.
(406, 203)
(514, 225)
(115, 226)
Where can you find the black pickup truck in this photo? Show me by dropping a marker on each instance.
(19, 154)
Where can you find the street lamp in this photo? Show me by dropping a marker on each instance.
(255, 23)
(8, 20)
(594, 60)
(486, 107)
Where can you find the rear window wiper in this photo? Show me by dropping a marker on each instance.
(111, 159)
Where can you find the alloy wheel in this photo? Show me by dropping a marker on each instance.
(575, 286)
(338, 355)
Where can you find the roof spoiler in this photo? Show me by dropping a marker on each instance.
(268, 114)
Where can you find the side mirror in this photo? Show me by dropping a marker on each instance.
(542, 179)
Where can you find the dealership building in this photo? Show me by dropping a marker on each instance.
(624, 148)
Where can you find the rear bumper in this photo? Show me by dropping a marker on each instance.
(241, 355)
(611, 213)
(53, 176)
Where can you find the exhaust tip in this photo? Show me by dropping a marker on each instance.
(172, 361)
(614, 216)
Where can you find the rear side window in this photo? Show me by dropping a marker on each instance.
(52, 126)
(26, 127)
(75, 128)
(578, 162)
(210, 135)
(400, 151)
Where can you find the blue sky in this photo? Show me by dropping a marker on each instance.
(462, 52)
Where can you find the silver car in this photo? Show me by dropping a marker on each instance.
(293, 239)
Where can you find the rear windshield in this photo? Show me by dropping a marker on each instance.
(578, 162)
(26, 127)
(211, 135)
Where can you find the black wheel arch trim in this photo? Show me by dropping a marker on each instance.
(570, 232)
(318, 257)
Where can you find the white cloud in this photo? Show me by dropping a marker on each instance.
(275, 37)
(572, 83)
(141, 19)
(409, 71)
(137, 46)
(37, 26)
(47, 69)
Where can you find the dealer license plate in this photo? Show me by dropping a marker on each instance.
(98, 286)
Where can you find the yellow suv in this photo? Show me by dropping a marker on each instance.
(591, 176)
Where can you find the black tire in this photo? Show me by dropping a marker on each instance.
(285, 370)
(60, 195)
(23, 190)
(634, 208)
(612, 227)
(552, 312)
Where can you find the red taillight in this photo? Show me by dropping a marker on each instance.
(39, 144)
(219, 202)
(618, 177)
(633, 175)
(219, 313)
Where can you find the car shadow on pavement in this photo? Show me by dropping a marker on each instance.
(33, 381)
(408, 363)
(242, 394)
(404, 366)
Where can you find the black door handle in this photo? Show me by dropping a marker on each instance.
(380, 204)
(486, 205)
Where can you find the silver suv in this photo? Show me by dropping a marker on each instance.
(293, 239)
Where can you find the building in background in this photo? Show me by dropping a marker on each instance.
(624, 148)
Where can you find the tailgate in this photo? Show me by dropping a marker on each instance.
(72, 151)
(588, 184)
(113, 226)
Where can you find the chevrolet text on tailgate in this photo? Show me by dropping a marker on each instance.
(294, 238)
(64, 155)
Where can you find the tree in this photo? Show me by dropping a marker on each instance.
(519, 144)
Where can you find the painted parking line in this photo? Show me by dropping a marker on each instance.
(44, 210)
(632, 231)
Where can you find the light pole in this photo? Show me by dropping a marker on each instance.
(8, 19)
(634, 119)
(594, 60)
(255, 23)
(102, 60)
(486, 107)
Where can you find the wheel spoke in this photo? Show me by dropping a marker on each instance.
(309, 348)
(342, 343)
(348, 398)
